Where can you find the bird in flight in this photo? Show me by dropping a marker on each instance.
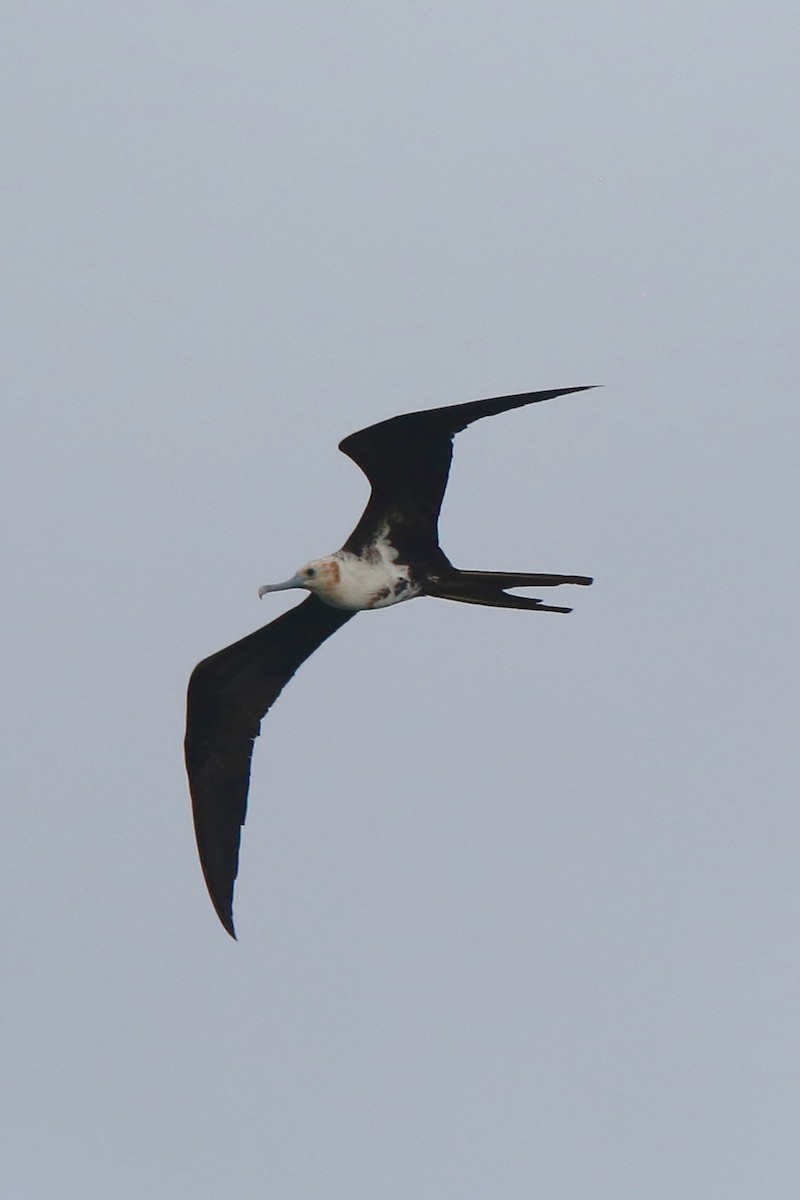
(392, 555)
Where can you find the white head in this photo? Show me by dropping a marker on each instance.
(321, 575)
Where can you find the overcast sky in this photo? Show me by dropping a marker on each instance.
(518, 905)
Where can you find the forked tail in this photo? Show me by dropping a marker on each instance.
(488, 587)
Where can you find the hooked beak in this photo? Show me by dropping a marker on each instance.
(295, 582)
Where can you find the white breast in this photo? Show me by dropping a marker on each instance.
(371, 580)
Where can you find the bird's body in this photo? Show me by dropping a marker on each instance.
(392, 555)
(356, 582)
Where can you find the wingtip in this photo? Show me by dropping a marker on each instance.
(226, 919)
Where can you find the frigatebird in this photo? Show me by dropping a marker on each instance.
(393, 554)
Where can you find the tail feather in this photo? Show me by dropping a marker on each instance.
(507, 579)
(488, 587)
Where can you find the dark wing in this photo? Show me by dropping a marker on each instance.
(407, 461)
(228, 695)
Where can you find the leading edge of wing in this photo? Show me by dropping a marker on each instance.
(444, 422)
(229, 694)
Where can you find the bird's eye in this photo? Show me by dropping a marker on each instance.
(310, 572)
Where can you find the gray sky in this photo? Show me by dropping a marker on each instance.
(518, 906)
